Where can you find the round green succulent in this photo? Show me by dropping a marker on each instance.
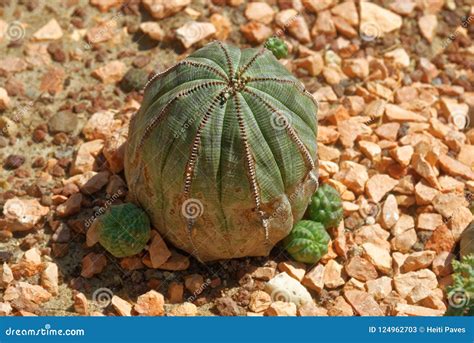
(277, 46)
(222, 153)
(123, 230)
(307, 242)
(326, 207)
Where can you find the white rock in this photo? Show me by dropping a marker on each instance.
(193, 32)
(50, 31)
(284, 288)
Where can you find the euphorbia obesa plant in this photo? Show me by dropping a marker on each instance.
(222, 154)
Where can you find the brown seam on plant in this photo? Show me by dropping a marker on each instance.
(191, 164)
(291, 132)
(227, 57)
(300, 87)
(158, 118)
(251, 167)
(252, 61)
(216, 71)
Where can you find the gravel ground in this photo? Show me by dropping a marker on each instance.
(394, 82)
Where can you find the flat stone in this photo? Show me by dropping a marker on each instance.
(314, 279)
(442, 264)
(348, 11)
(259, 11)
(399, 114)
(281, 308)
(403, 242)
(425, 170)
(160, 9)
(363, 303)
(81, 304)
(455, 168)
(361, 269)
(85, 157)
(5, 309)
(404, 283)
(186, 309)
(441, 240)
(446, 204)
(159, 252)
(466, 155)
(176, 262)
(112, 72)
(194, 283)
(378, 19)
(414, 310)
(150, 304)
(153, 30)
(6, 275)
(418, 260)
(379, 288)
(333, 275)
(23, 214)
(399, 57)
(5, 101)
(311, 310)
(353, 176)
(429, 221)
(424, 193)
(459, 221)
(390, 213)
(63, 122)
(427, 25)
(259, 301)
(340, 307)
(379, 185)
(71, 206)
(379, 257)
(26, 296)
(256, 32)
(99, 125)
(50, 31)
(122, 307)
(50, 278)
(402, 155)
(93, 264)
(105, 5)
(369, 149)
(296, 270)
